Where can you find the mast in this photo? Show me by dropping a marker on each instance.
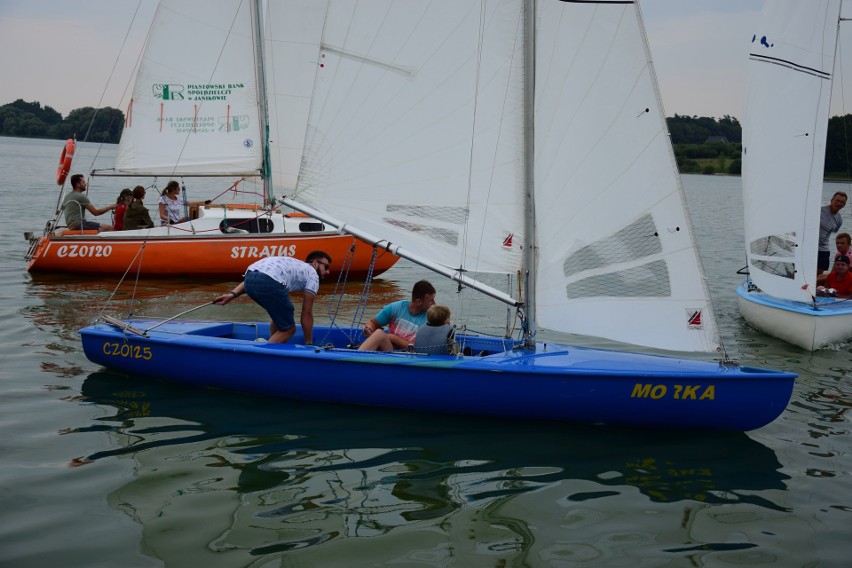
(263, 111)
(530, 252)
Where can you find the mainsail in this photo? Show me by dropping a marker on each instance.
(194, 109)
(784, 132)
(416, 130)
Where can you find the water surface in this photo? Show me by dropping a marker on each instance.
(100, 469)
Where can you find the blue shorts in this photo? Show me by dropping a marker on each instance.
(272, 296)
(87, 226)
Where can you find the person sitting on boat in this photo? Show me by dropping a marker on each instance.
(829, 222)
(838, 282)
(403, 318)
(269, 282)
(437, 336)
(172, 206)
(137, 215)
(76, 204)
(124, 199)
(842, 241)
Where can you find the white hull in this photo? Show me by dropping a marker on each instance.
(801, 324)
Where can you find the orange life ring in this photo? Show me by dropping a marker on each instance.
(65, 161)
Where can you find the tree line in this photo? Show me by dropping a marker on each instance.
(31, 120)
(701, 144)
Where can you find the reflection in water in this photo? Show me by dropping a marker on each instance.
(254, 477)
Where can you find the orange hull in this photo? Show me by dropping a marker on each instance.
(198, 256)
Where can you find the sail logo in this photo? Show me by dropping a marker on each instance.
(168, 92)
(693, 319)
(233, 123)
(507, 242)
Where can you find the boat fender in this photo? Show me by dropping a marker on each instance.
(65, 161)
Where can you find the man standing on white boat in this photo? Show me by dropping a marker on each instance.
(829, 222)
(76, 204)
(269, 282)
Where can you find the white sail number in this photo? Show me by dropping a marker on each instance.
(84, 251)
(257, 252)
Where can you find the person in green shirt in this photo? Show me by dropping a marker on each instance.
(76, 204)
(137, 215)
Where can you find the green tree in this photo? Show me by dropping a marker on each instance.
(30, 119)
(838, 146)
(95, 125)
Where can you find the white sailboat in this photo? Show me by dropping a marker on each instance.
(490, 136)
(199, 108)
(790, 72)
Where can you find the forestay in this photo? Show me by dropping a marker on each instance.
(784, 132)
(194, 109)
(415, 130)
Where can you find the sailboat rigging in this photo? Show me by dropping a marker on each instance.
(199, 110)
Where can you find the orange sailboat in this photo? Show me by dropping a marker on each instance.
(220, 241)
(202, 111)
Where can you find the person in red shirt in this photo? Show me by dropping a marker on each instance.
(838, 279)
(124, 199)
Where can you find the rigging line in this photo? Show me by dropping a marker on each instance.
(487, 197)
(477, 75)
(121, 280)
(204, 305)
(339, 291)
(106, 86)
(363, 300)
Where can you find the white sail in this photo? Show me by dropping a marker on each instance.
(415, 133)
(786, 117)
(616, 249)
(415, 125)
(194, 109)
(293, 32)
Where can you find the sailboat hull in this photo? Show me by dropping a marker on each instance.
(555, 382)
(200, 248)
(804, 325)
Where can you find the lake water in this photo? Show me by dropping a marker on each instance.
(97, 469)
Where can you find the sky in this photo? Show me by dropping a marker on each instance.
(66, 54)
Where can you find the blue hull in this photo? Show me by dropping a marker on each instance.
(556, 382)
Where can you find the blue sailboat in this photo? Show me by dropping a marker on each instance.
(522, 138)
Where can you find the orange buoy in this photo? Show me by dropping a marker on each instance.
(65, 161)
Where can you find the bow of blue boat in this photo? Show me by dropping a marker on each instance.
(554, 382)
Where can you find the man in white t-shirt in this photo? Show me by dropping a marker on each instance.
(402, 318)
(269, 282)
